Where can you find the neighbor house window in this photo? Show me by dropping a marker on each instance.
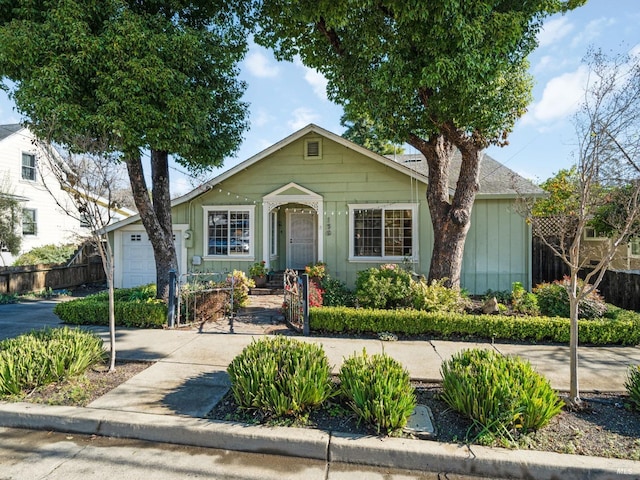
(383, 232)
(229, 231)
(634, 247)
(591, 233)
(29, 222)
(29, 167)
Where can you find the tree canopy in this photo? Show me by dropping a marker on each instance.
(439, 76)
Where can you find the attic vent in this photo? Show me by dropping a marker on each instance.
(312, 148)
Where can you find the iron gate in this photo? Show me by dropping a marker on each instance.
(296, 300)
(204, 297)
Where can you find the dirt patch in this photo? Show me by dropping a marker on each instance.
(605, 428)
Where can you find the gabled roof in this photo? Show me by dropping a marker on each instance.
(495, 178)
(9, 129)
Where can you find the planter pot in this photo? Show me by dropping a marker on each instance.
(260, 281)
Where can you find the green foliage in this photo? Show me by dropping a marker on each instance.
(241, 286)
(362, 131)
(502, 296)
(46, 254)
(6, 299)
(134, 307)
(10, 237)
(258, 269)
(562, 199)
(522, 301)
(553, 300)
(336, 293)
(435, 297)
(386, 287)
(379, 391)
(499, 394)
(280, 376)
(632, 385)
(42, 357)
(623, 330)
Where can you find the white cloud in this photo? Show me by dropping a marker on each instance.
(561, 97)
(554, 30)
(593, 30)
(259, 65)
(314, 78)
(262, 118)
(302, 117)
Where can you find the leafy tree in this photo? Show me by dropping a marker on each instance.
(10, 238)
(603, 189)
(440, 76)
(135, 76)
(362, 132)
(46, 254)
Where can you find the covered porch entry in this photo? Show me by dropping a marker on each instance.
(293, 225)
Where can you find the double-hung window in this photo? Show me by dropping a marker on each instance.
(29, 225)
(634, 247)
(229, 231)
(29, 167)
(383, 232)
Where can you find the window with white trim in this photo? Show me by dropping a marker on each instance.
(29, 225)
(387, 232)
(634, 247)
(229, 231)
(29, 167)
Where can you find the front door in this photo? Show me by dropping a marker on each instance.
(301, 249)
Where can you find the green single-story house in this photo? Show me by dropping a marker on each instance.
(315, 196)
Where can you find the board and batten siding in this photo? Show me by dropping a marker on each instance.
(498, 248)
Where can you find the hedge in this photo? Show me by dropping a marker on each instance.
(92, 311)
(624, 331)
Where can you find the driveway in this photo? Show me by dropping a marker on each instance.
(18, 318)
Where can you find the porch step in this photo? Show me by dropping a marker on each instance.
(266, 291)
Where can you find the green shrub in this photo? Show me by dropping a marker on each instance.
(522, 301)
(280, 376)
(386, 287)
(435, 297)
(632, 385)
(553, 300)
(94, 310)
(336, 293)
(499, 394)
(379, 391)
(625, 330)
(241, 286)
(502, 296)
(42, 357)
(46, 254)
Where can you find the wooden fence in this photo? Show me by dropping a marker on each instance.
(619, 288)
(34, 278)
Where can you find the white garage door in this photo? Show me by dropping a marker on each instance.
(138, 264)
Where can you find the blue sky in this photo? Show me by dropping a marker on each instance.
(284, 96)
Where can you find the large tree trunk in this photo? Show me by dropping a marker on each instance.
(157, 227)
(450, 217)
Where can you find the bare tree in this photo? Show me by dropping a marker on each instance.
(605, 186)
(10, 238)
(92, 182)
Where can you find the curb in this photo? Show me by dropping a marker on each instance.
(400, 453)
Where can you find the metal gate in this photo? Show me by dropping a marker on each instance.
(204, 297)
(296, 301)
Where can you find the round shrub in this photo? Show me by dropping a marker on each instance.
(386, 287)
(336, 293)
(379, 391)
(632, 384)
(553, 300)
(435, 297)
(280, 376)
(501, 395)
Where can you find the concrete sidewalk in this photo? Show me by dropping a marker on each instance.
(168, 401)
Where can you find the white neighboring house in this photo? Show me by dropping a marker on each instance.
(44, 222)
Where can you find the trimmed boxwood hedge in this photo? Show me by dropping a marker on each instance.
(625, 330)
(95, 311)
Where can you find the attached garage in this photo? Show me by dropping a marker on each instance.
(134, 261)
